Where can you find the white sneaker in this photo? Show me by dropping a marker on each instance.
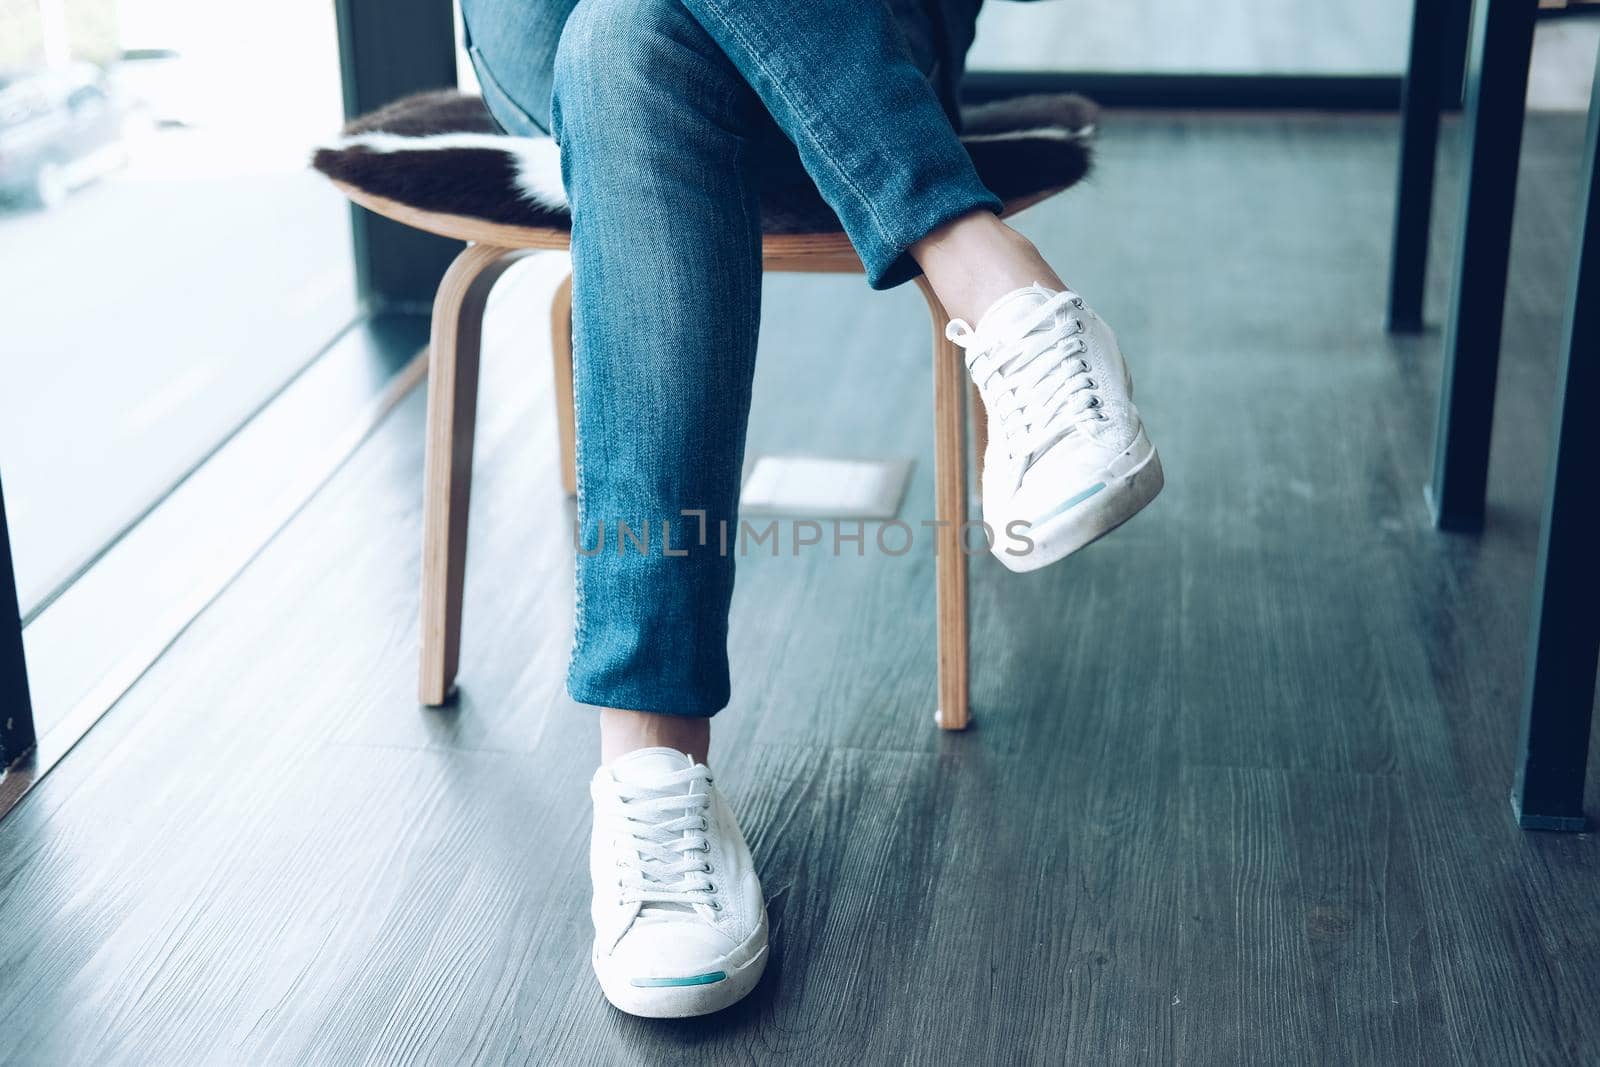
(1068, 459)
(680, 927)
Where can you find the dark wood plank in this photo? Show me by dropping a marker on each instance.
(1303, 938)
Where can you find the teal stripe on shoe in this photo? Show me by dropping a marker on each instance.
(1064, 505)
(698, 979)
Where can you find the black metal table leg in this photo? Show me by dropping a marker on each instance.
(16, 709)
(1565, 645)
(1497, 84)
(1419, 139)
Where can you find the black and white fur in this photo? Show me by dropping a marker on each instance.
(443, 152)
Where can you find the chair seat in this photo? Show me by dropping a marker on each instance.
(437, 162)
(824, 252)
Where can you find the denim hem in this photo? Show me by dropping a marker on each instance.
(889, 266)
(628, 700)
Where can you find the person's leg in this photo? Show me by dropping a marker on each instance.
(656, 131)
(1069, 460)
(512, 45)
(871, 131)
(623, 731)
(975, 260)
(897, 174)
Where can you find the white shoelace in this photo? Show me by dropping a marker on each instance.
(1037, 392)
(663, 840)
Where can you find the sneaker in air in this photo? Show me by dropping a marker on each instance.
(1068, 459)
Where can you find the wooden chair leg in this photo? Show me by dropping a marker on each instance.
(561, 360)
(950, 508)
(452, 414)
(980, 429)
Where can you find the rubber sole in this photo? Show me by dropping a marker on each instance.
(1083, 520)
(692, 995)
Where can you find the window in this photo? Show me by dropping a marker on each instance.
(1242, 37)
(169, 262)
(170, 266)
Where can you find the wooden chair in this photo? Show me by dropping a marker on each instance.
(492, 246)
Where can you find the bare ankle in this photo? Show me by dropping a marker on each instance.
(623, 731)
(975, 260)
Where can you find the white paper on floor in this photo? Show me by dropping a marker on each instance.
(819, 487)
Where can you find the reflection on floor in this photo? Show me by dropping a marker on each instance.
(1236, 790)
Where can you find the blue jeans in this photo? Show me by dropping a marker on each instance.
(672, 116)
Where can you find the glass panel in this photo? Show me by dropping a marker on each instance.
(167, 259)
(1195, 37)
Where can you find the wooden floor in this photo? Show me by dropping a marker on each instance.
(1236, 792)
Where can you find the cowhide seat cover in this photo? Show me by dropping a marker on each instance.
(442, 152)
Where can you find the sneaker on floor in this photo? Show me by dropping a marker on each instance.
(1068, 459)
(680, 925)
